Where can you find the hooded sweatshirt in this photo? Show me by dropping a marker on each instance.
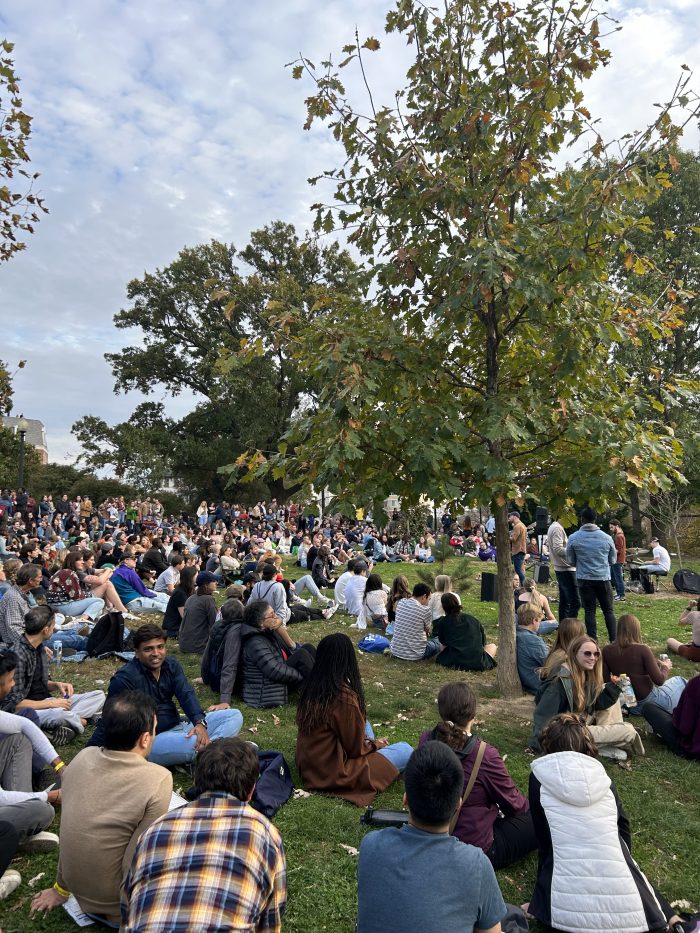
(587, 879)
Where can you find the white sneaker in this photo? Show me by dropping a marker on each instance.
(331, 608)
(306, 602)
(9, 882)
(40, 842)
(617, 754)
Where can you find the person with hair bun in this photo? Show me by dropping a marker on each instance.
(495, 816)
(587, 879)
(463, 638)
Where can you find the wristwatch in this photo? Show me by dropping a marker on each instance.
(203, 722)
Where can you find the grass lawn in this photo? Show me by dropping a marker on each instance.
(660, 793)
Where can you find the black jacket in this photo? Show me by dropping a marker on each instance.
(266, 674)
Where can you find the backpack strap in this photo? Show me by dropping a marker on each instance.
(470, 784)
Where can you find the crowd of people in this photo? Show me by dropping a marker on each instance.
(131, 855)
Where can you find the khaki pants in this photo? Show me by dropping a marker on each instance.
(609, 728)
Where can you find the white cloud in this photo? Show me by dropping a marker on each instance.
(160, 125)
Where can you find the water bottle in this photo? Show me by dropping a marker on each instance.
(58, 652)
(628, 697)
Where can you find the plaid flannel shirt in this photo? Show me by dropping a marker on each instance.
(215, 864)
(31, 675)
(13, 608)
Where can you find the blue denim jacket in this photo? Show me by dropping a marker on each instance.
(592, 551)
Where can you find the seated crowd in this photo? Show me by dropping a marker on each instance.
(138, 859)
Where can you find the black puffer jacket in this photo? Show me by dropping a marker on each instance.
(266, 674)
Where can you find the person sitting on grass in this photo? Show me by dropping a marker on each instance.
(463, 639)
(399, 590)
(215, 864)
(221, 658)
(374, 600)
(336, 751)
(567, 631)
(680, 730)
(199, 615)
(161, 677)
(413, 626)
(111, 795)
(587, 878)
(463, 892)
(175, 610)
(691, 650)
(579, 688)
(529, 595)
(531, 650)
(495, 816)
(272, 661)
(648, 675)
(443, 584)
(135, 596)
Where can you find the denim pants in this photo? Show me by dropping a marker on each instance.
(617, 579)
(518, 561)
(93, 607)
(174, 748)
(569, 600)
(69, 639)
(157, 603)
(398, 753)
(666, 696)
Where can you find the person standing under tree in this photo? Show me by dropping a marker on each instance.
(620, 542)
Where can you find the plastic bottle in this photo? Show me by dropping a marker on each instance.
(628, 697)
(58, 652)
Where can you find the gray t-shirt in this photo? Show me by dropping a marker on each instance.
(408, 879)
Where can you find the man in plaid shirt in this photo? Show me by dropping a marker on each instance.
(215, 864)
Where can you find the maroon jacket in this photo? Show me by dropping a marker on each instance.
(686, 717)
(493, 790)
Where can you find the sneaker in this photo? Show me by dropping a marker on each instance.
(331, 609)
(619, 599)
(9, 882)
(306, 602)
(46, 778)
(40, 842)
(61, 735)
(617, 754)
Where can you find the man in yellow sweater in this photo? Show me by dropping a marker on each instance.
(110, 795)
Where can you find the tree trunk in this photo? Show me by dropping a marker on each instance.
(508, 679)
(636, 511)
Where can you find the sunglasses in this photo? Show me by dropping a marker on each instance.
(591, 654)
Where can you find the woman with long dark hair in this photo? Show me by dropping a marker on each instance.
(337, 752)
(175, 610)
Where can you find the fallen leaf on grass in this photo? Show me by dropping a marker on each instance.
(252, 728)
(258, 719)
(299, 793)
(377, 684)
(33, 881)
(99, 681)
(276, 720)
(682, 905)
(351, 850)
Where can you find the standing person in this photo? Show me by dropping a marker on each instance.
(587, 878)
(413, 626)
(336, 751)
(393, 863)
(494, 816)
(620, 542)
(110, 795)
(215, 864)
(593, 552)
(200, 614)
(569, 601)
(518, 544)
(648, 675)
(162, 678)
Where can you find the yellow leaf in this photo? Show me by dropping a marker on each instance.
(372, 44)
(640, 267)
(673, 162)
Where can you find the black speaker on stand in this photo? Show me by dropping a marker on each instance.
(489, 588)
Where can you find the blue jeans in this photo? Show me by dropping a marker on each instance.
(69, 639)
(92, 607)
(398, 753)
(432, 647)
(617, 580)
(157, 603)
(518, 561)
(547, 628)
(307, 583)
(666, 696)
(174, 748)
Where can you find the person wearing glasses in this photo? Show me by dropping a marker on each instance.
(579, 688)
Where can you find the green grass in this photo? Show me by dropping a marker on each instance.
(660, 793)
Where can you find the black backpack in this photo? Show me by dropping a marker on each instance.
(107, 636)
(685, 581)
(275, 785)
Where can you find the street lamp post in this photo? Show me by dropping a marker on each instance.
(22, 427)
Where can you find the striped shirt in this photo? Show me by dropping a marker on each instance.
(216, 864)
(413, 623)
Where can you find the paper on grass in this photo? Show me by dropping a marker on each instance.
(72, 908)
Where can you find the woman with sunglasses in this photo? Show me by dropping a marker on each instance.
(579, 688)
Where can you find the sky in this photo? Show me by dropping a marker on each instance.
(160, 124)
